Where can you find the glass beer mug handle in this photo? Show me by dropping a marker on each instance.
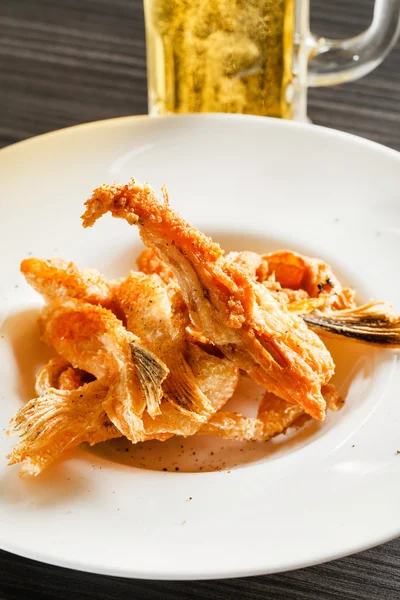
(337, 61)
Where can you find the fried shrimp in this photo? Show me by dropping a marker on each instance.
(60, 419)
(292, 277)
(216, 378)
(93, 339)
(58, 279)
(274, 417)
(149, 263)
(57, 421)
(310, 289)
(158, 316)
(159, 353)
(238, 315)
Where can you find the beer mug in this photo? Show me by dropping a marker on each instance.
(252, 56)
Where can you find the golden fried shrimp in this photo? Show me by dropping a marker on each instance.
(274, 417)
(93, 339)
(293, 271)
(49, 375)
(57, 421)
(58, 279)
(332, 312)
(72, 379)
(60, 420)
(326, 307)
(158, 316)
(257, 269)
(58, 373)
(291, 277)
(217, 379)
(249, 262)
(235, 426)
(149, 263)
(286, 295)
(238, 315)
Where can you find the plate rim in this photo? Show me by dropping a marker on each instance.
(194, 576)
(207, 117)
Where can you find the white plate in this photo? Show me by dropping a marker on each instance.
(324, 492)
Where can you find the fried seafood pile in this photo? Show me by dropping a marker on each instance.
(160, 352)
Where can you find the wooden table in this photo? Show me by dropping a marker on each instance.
(63, 62)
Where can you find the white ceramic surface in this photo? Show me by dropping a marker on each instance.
(317, 494)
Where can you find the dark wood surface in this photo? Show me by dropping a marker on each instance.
(64, 62)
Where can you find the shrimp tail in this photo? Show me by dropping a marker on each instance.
(372, 323)
(181, 390)
(151, 372)
(55, 422)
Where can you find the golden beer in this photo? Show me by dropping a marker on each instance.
(219, 56)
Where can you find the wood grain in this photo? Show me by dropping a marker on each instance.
(64, 62)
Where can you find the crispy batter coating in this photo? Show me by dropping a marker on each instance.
(274, 417)
(59, 419)
(58, 279)
(49, 375)
(149, 263)
(71, 379)
(295, 271)
(238, 315)
(217, 379)
(321, 301)
(158, 316)
(93, 339)
(326, 307)
(292, 277)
